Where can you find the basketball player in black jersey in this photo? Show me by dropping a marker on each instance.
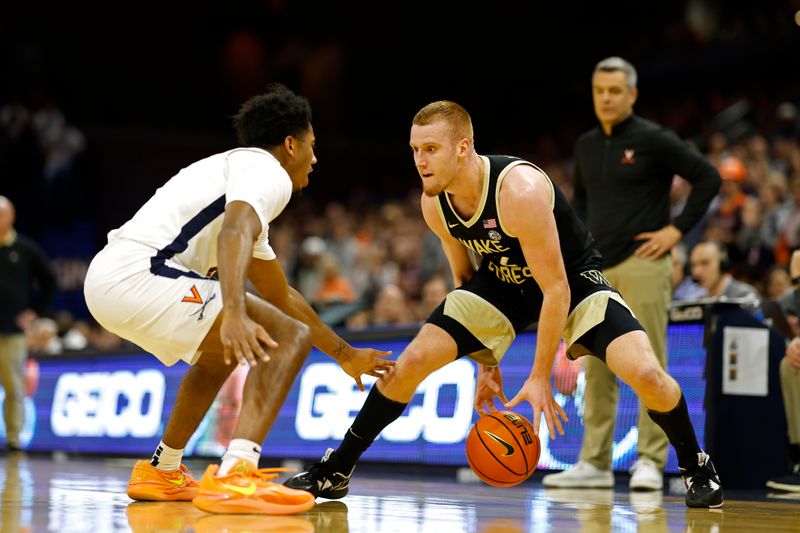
(537, 263)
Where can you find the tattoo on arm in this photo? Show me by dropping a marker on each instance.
(339, 349)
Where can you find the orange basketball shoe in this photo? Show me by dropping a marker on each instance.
(248, 490)
(150, 484)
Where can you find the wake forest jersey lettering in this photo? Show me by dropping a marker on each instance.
(501, 253)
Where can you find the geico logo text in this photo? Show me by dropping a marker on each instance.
(108, 404)
(328, 401)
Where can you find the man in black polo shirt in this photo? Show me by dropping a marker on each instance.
(25, 272)
(623, 171)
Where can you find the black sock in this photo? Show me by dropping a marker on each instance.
(376, 413)
(680, 432)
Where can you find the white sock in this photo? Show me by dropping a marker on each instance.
(239, 449)
(166, 458)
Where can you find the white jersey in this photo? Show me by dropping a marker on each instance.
(149, 284)
(182, 220)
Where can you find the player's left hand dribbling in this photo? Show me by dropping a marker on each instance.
(538, 393)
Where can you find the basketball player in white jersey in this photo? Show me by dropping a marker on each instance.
(155, 284)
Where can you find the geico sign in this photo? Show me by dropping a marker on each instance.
(108, 404)
(328, 396)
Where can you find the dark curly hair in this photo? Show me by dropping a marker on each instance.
(264, 121)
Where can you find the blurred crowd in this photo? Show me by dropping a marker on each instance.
(63, 334)
(361, 267)
(43, 152)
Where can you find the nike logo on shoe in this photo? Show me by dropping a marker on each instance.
(177, 481)
(328, 484)
(246, 491)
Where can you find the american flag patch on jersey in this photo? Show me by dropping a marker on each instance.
(490, 223)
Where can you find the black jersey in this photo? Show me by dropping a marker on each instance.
(501, 253)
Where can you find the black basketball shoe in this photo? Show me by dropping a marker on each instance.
(322, 479)
(788, 483)
(703, 489)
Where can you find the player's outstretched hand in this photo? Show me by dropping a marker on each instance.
(538, 393)
(367, 361)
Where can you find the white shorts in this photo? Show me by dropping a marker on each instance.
(167, 314)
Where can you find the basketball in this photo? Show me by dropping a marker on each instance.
(502, 449)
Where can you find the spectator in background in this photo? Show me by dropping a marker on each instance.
(391, 308)
(717, 147)
(789, 231)
(776, 206)
(335, 299)
(307, 273)
(341, 241)
(759, 161)
(372, 270)
(27, 289)
(358, 320)
(726, 211)
(790, 388)
(624, 170)
(751, 255)
(685, 287)
(434, 291)
(779, 285)
(42, 337)
(73, 334)
(709, 263)
(334, 288)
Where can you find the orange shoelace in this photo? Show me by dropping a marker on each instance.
(267, 474)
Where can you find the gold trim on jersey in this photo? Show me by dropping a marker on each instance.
(484, 194)
(441, 214)
(484, 321)
(500, 181)
(590, 312)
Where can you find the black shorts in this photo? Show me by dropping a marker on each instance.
(495, 312)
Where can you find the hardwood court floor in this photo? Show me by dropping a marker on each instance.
(40, 493)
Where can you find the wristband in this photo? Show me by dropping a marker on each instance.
(796, 281)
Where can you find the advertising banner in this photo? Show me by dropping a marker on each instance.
(119, 404)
